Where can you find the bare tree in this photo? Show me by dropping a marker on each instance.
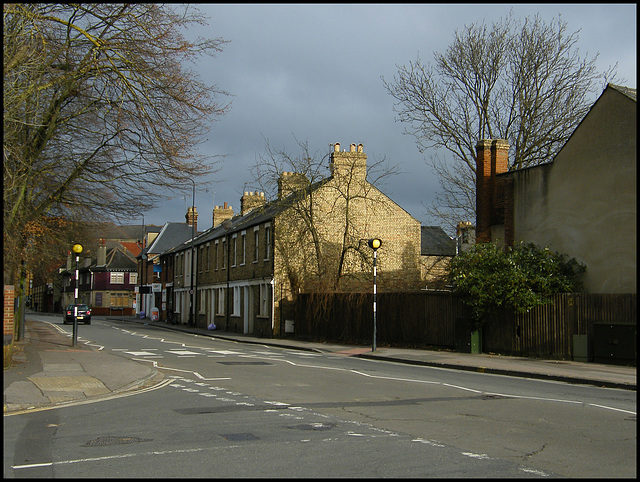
(523, 81)
(102, 116)
(321, 235)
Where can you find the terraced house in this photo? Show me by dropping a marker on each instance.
(249, 266)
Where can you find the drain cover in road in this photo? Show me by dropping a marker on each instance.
(102, 441)
(238, 437)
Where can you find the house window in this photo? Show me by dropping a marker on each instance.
(264, 299)
(235, 249)
(236, 301)
(215, 250)
(118, 300)
(203, 301)
(224, 260)
(244, 247)
(220, 306)
(257, 244)
(208, 257)
(267, 242)
(133, 278)
(117, 278)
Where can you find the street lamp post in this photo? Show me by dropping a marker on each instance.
(77, 248)
(193, 235)
(374, 243)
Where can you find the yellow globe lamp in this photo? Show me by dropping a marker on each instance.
(77, 248)
(375, 243)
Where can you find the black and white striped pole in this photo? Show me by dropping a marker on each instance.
(374, 243)
(77, 249)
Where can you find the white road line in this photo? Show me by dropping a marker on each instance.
(408, 380)
(155, 365)
(110, 457)
(457, 387)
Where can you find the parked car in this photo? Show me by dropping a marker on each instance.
(84, 314)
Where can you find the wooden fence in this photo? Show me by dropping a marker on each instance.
(440, 319)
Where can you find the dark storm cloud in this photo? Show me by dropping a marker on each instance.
(314, 71)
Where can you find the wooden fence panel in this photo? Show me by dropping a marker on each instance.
(439, 319)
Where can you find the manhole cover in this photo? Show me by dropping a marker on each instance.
(239, 437)
(314, 426)
(101, 441)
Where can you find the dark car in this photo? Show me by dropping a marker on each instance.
(84, 314)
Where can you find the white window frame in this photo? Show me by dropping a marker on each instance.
(215, 267)
(224, 258)
(256, 232)
(267, 242)
(116, 278)
(133, 278)
(264, 299)
(236, 301)
(244, 247)
(234, 237)
(220, 304)
(203, 301)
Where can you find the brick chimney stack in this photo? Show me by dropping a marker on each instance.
(192, 217)
(350, 165)
(290, 182)
(102, 254)
(221, 214)
(250, 201)
(492, 157)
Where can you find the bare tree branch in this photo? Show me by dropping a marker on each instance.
(523, 81)
(102, 116)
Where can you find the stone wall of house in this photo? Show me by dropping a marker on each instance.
(347, 211)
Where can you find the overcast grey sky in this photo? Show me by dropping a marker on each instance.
(314, 71)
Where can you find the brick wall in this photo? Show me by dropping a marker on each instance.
(8, 318)
(494, 197)
(347, 210)
(8, 323)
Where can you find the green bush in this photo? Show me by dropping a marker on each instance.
(490, 278)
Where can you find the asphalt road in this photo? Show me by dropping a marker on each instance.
(229, 409)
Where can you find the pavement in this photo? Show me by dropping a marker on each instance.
(48, 372)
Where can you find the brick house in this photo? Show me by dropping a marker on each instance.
(249, 266)
(582, 203)
(155, 276)
(107, 282)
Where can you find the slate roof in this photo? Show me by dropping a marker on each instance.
(116, 260)
(435, 242)
(123, 233)
(172, 234)
(239, 222)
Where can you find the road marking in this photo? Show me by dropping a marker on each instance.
(476, 456)
(271, 357)
(155, 365)
(109, 457)
(113, 396)
(183, 352)
(457, 387)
